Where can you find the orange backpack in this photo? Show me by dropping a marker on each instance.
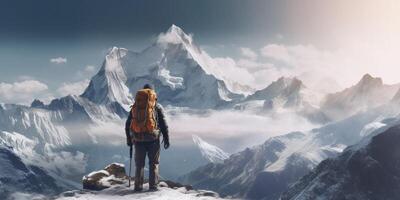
(143, 112)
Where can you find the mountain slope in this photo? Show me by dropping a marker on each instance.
(362, 172)
(108, 85)
(286, 90)
(265, 171)
(210, 152)
(34, 123)
(236, 175)
(368, 93)
(396, 98)
(16, 176)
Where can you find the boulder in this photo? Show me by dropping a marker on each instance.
(116, 169)
(113, 174)
(93, 181)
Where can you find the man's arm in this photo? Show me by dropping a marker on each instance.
(162, 124)
(127, 130)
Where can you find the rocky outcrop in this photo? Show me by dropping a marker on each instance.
(114, 174)
(113, 181)
(111, 175)
(116, 169)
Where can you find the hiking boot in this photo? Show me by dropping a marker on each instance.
(153, 188)
(138, 189)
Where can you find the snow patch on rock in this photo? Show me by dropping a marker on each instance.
(210, 152)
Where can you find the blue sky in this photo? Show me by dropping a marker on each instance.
(35, 31)
(291, 38)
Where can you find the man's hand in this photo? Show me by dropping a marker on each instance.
(166, 143)
(129, 141)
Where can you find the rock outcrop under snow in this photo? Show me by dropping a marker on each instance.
(112, 183)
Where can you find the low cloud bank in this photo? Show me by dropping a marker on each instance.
(224, 128)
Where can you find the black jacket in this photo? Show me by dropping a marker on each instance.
(161, 123)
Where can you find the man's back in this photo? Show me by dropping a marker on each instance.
(146, 136)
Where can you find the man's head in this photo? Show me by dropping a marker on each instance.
(148, 86)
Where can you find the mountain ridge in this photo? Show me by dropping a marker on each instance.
(365, 171)
(369, 92)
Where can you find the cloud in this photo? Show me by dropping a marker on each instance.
(248, 53)
(63, 162)
(103, 132)
(87, 72)
(58, 60)
(232, 71)
(342, 66)
(174, 36)
(25, 78)
(299, 57)
(90, 68)
(277, 52)
(23, 92)
(224, 127)
(311, 65)
(74, 88)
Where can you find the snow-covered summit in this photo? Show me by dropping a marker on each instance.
(108, 85)
(368, 93)
(284, 87)
(367, 82)
(285, 93)
(210, 152)
(181, 72)
(175, 35)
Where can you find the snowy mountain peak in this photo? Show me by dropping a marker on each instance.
(283, 89)
(178, 69)
(369, 92)
(108, 85)
(209, 151)
(286, 81)
(369, 82)
(174, 35)
(113, 59)
(37, 104)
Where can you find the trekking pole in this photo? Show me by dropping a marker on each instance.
(130, 166)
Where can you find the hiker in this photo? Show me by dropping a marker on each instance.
(145, 123)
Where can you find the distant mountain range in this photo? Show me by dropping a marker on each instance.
(267, 170)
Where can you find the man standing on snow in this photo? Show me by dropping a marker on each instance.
(145, 123)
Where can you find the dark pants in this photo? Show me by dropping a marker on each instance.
(152, 149)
